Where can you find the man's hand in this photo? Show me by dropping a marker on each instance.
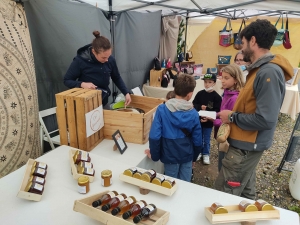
(127, 99)
(203, 107)
(88, 85)
(147, 152)
(224, 115)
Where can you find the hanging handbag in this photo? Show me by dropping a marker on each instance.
(226, 36)
(236, 36)
(224, 59)
(286, 38)
(280, 33)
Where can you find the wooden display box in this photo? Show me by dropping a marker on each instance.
(134, 127)
(156, 77)
(75, 174)
(24, 194)
(145, 185)
(72, 105)
(235, 215)
(85, 207)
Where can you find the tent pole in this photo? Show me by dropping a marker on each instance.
(112, 34)
(186, 26)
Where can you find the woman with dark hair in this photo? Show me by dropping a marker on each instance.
(93, 67)
(239, 59)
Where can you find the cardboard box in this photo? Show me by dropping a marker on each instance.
(156, 77)
(85, 207)
(72, 105)
(134, 127)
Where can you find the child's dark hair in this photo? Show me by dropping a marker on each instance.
(170, 94)
(100, 43)
(184, 84)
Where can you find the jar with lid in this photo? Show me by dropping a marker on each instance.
(81, 156)
(35, 188)
(217, 208)
(83, 184)
(246, 206)
(36, 179)
(169, 182)
(129, 172)
(106, 180)
(158, 179)
(262, 205)
(35, 171)
(40, 165)
(85, 164)
(138, 174)
(86, 171)
(149, 175)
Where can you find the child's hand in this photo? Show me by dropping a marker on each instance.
(203, 107)
(147, 152)
(210, 119)
(203, 119)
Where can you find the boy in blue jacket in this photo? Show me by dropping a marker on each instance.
(175, 137)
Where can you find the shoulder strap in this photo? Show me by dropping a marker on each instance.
(186, 132)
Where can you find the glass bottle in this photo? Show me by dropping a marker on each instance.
(35, 188)
(158, 179)
(262, 205)
(139, 173)
(246, 206)
(37, 179)
(114, 202)
(124, 205)
(217, 208)
(35, 171)
(130, 171)
(135, 209)
(169, 182)
(146, 212)
(148, 176)
(105, 198)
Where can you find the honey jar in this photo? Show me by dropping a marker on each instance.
(85, 164)
(130, 171)
(246, 206)
(83, 184)
(35, 188)
(81, 156)
(168, 182)
(40, 165)
(158, 179)
(138, 174)
(149, 175)
(86, 171)
(263, 205)
(217, 208)
(35, 171)
(106, 180)
(37, 179)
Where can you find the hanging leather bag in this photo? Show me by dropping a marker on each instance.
(226, 35)
(280, 33)
(286, 37)
(236, 36)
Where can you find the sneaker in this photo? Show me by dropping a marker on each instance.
(206, 160)
(199, 157)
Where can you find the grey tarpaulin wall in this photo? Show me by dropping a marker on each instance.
(59, 27)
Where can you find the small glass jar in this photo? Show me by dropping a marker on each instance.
(81, 156)
(158, 179)
(85, 164)
(106, 180)
(262, 205)
(35, 171)
(169, 182)
(217, 208)
(138, 174)
(86, 171)
(83, 184)
(246, 206)
(129, 172)
(35, 188)
(40, 165)
(37, 179)
(149, 175)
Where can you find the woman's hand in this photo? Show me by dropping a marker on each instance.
(147, 152)
(203, 107)
(88, 85)
(127, 99)
(203, 119)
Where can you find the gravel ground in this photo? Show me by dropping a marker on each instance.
(271, 186)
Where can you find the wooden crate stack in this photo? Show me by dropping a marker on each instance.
(72, 105)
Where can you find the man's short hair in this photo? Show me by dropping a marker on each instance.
(264, 32)
(184, 84)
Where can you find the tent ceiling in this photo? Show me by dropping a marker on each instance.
(212, 7)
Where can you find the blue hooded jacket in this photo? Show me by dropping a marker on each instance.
(167, 142)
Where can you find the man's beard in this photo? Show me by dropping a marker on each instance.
(248, 53)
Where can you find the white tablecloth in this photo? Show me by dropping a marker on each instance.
(186, 206)
(291, 104)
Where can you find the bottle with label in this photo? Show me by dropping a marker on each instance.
(246, 206)
(149, 175)
(37, 179)
(158, 179)
(85, 164)
(169, 182)
(81, 156)
(35, 188)
(35, 171)
(40, 165)
(129, 172)
(114, 202)
(124, 206)
(105, 198)
(106, 180)
(217, 208)
(139, 173)
(86, 171)
(134, 210)
(83, 184)
(262, 205)
(146, 212)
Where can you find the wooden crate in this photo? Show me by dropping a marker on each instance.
(72, 105)
(85, 207)
(156, 77)
(134, 127)
(24, 194)
(149, 186)
(75, 174)
(235, 215)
